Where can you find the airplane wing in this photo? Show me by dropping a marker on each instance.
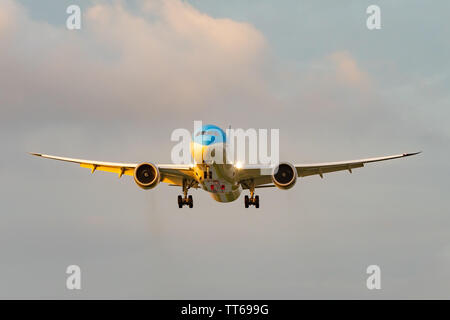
(304, 170)
(254, 172)
(170, 173)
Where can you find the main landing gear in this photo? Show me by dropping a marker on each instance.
(185, 200)
(253, 200)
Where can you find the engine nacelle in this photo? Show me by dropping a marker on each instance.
(284, 175)
(146, 175)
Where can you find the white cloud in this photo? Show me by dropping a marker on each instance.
(171, 55)
(347, 70)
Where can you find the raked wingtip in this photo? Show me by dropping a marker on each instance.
(35, 154)
(411, 154)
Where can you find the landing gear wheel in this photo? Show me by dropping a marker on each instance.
(251, 201)
(180, 202)
(185, 199)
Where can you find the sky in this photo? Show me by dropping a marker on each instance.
(116, 89)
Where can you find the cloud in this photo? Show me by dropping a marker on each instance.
(347, 70)
(82, 94)
(167, 55)
(161, 59)
(332, 84)
(165, 63)
(7, 15)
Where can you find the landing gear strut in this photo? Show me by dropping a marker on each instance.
(253, 200)
(185, 199)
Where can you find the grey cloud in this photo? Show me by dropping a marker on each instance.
(116, 90)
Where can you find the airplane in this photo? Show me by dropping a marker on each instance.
(223, 181)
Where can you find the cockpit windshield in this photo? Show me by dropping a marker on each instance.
(209, 133)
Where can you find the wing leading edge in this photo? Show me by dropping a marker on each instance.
(254, 172)
(304, 170)
(170, 173)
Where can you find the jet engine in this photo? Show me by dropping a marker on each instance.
(284, 175)
(146, 175)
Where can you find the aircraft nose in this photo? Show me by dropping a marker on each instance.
(207, 140)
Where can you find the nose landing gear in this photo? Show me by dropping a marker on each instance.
(253, 200)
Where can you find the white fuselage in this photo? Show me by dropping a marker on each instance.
(219, 179)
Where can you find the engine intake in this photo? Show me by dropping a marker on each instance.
(284, 176)
(146, 175)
